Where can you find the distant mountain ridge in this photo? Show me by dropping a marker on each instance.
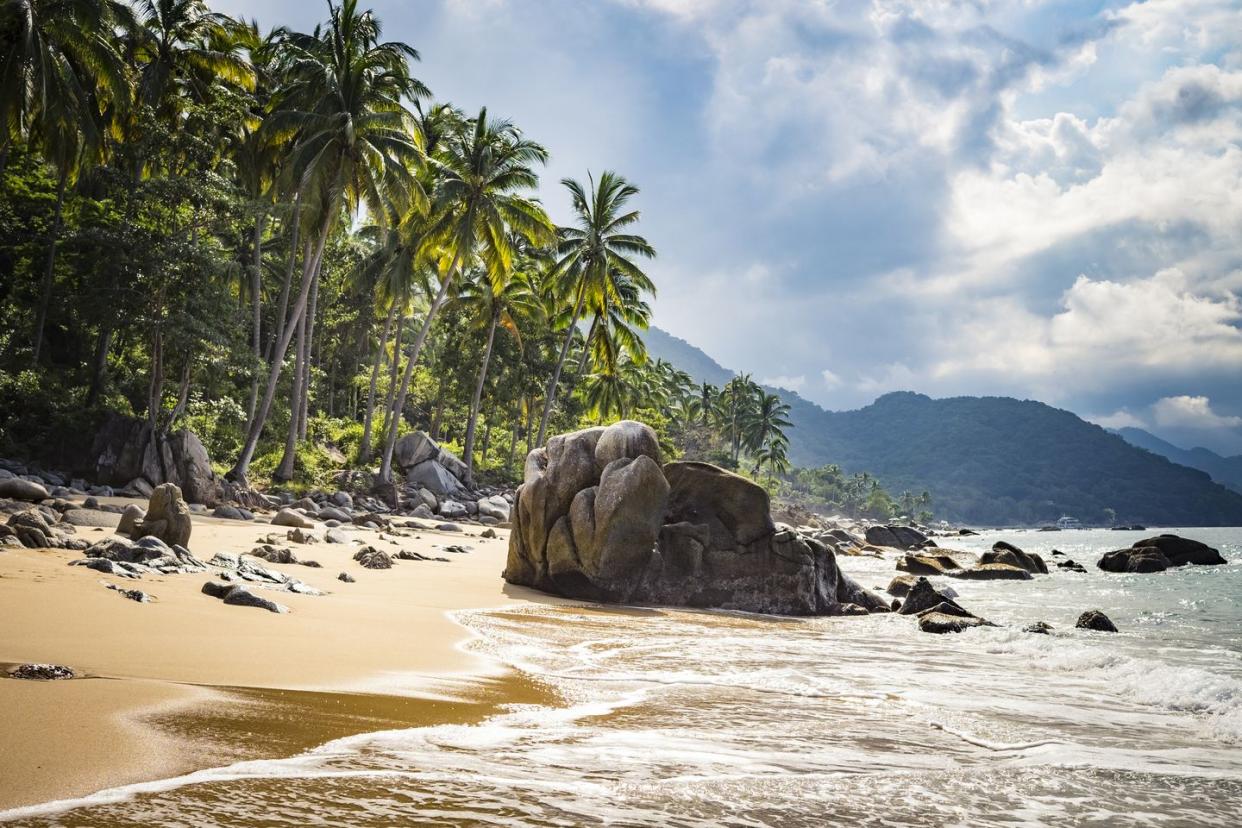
(1224, 470)
(990, 460)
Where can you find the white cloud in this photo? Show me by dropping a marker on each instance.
(1104, 329)
(1191, 412)
(831, 380)
(786, 382)
(1121, 418)
(896, 376)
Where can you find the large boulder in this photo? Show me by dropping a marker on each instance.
(167, 518)
(1007, 553)
(598, 518)
(17, 488)
(433, 476)
(1160, 553)
(412, 449)
(898, 537)
(126, 450)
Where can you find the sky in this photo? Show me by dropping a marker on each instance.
(1025, 198)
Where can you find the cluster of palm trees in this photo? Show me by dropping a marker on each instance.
(323, 132)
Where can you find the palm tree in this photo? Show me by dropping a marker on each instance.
(60, 60)
(476, 208)
(182, 47)
(355, 144)
(59, 69)
(592, 252)
(766, 421)
(496, 303)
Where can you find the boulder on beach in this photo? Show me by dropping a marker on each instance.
(927, 563)
(126, 451)
(167, 517)
(945, 618)
(288, 517)
(17, 488)
(599, 518)
(923, 596)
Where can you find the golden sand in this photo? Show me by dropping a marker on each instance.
(188, 682)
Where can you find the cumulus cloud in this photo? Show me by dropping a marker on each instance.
(1121, 418)
(1191, 412)
(786, 382)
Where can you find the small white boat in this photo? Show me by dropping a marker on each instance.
(1067, 522)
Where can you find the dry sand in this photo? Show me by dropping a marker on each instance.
(187, 682)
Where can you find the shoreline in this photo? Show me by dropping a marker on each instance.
(187, 683)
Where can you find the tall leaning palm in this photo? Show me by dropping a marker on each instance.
(477, 202)
(354, 144)
(597, 247)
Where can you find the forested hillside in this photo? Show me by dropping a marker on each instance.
(1224, 470)
(995, 460)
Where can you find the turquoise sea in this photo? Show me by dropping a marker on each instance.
(707, 718)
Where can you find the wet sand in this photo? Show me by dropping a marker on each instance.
(187, 682)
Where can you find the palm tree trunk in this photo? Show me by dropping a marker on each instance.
(517, 418)
(393, 370)
(49, 268)
(241, 469)
(99, 368)
(284, 471)
(364, 450)
(550, 397)
(586, 349)
(399, 404)
(283, 304)
(311, 311)
(256, 303)
(473, 420)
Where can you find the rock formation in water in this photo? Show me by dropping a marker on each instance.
(1160, 553)
(600, 518)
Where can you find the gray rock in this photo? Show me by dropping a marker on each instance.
(333, 513)
(228, 512)
(689, 534)
(494, 507)
(41, 672)
(132, 594)
(412, 449)
(224, 560)
(239, 596)
(447, 527)
(432, 475)
(1007, 553)
(942, 619)
(18, 489)
(452, 509)
(1095, 620)
(337, 536)
(898, 537)
(167, 517)
(372, 558)
(342, 499)
(1039, 628)
(923, 596)
(422, 511)
(288, 517)
(346, 577)
(302, 536)
(107, 567)
(90, 518)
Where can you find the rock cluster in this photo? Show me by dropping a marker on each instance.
(128, 454)
(599, 517)
(1160, 553)
(167, 517)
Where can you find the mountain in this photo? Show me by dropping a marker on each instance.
(679, 352)
(990, 460)
(1224, 470)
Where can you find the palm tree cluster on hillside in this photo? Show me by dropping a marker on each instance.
(281, 239)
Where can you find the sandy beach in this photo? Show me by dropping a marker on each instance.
(187, 682)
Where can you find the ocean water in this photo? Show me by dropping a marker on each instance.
(677, 718)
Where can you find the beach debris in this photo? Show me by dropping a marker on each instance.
(1095, 620)
(1160, 553)
(41, 672)
(132, 594)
